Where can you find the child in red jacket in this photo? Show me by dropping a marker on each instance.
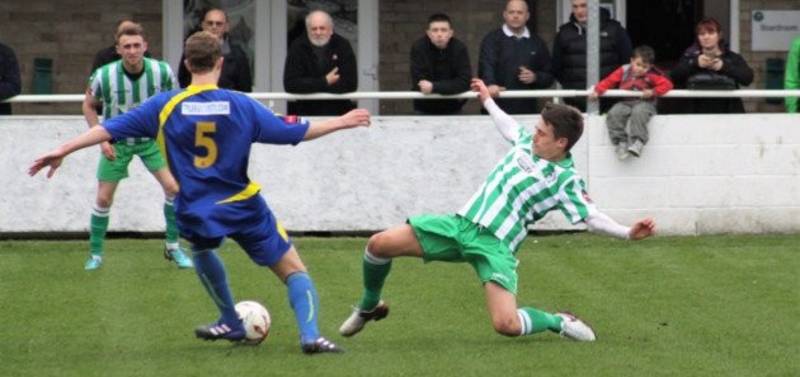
(640, 75)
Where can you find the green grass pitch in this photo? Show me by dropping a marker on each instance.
(668, 306)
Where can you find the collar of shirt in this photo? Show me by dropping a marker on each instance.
(508, 32)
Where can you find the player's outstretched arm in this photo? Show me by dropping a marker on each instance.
(53, 159)
(643, 228)
(504, 122)
(354, 118)
(600, 223)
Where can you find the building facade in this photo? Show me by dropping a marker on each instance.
(68, 33)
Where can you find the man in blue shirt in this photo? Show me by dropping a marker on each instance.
(205, 134)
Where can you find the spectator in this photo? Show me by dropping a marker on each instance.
(514, 58)
(10, 84)
(320, 62)
(710, 64)
(640, 75)
(440, 64)
(569, 51)
(791, 79)
(110, 54)
(236, 65)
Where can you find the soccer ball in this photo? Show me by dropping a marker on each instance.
(256, 320)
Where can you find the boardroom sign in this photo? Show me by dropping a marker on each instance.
(774, 30)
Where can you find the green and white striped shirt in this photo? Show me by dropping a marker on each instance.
(119, 93)
(522, 188)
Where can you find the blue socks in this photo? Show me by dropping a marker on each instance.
(303, 300)
(211, 271)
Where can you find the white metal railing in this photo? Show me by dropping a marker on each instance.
(742, 93)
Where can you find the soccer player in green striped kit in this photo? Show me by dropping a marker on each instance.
(535, 177)
(120, 86)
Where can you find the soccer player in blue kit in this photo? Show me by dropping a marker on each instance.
(205, 134)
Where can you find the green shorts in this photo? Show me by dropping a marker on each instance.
(117, 169)
(452, 238)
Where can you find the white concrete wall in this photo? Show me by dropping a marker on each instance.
(698, 175)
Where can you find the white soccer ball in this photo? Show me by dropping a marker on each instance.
(256, 320)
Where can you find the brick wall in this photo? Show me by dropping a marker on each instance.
(69, 32)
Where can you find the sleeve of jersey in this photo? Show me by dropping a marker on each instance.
(575, 203)
(507, 126)
(271, 129)
(140, 122)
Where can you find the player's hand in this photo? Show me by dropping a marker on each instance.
(526, 76)
(108, 150)
(425, 86)
(593, 96)
(357, 118)
(333, 76)
(643, 228)
(479, 87)
(52, 159)
(647, 94)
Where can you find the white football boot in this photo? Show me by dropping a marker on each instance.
(356, 321)
(573, 328)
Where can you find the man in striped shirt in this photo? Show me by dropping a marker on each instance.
(121, 86)
(535, 177)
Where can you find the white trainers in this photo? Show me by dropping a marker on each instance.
(635, 149)
(621, 150)
(356, 321)
(575, 329)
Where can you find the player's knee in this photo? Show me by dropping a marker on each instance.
(170, 191)
(104, 202)
(378, 245)
(505, 325)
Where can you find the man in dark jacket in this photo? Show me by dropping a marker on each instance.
(569, 51)
(235, 66)
(440, 64)
(514, 58)
(10, 84)
(320, 62)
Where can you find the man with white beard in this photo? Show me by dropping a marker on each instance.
(320, 62)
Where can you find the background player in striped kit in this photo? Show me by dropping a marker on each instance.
(535, 177)
(121, 86)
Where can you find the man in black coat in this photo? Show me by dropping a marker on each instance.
(569, 51)
(320, 62)
(236, 73)
(514, 58)
(10, 83)
(440, 64)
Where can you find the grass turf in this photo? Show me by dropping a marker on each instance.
(669, 306)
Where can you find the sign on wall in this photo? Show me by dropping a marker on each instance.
(774, 30)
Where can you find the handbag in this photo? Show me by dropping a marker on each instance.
(709, 80)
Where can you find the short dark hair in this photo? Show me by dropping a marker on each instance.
(567, 122)
(202, 50)
(645, 53)
(439, 17)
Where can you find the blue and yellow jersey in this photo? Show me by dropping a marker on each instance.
(205, 134)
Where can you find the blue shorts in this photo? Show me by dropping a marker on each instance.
(265, 240)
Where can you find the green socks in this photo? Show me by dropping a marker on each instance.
(98, 224)
(375, 271)
(534, 321)
(172, 227)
